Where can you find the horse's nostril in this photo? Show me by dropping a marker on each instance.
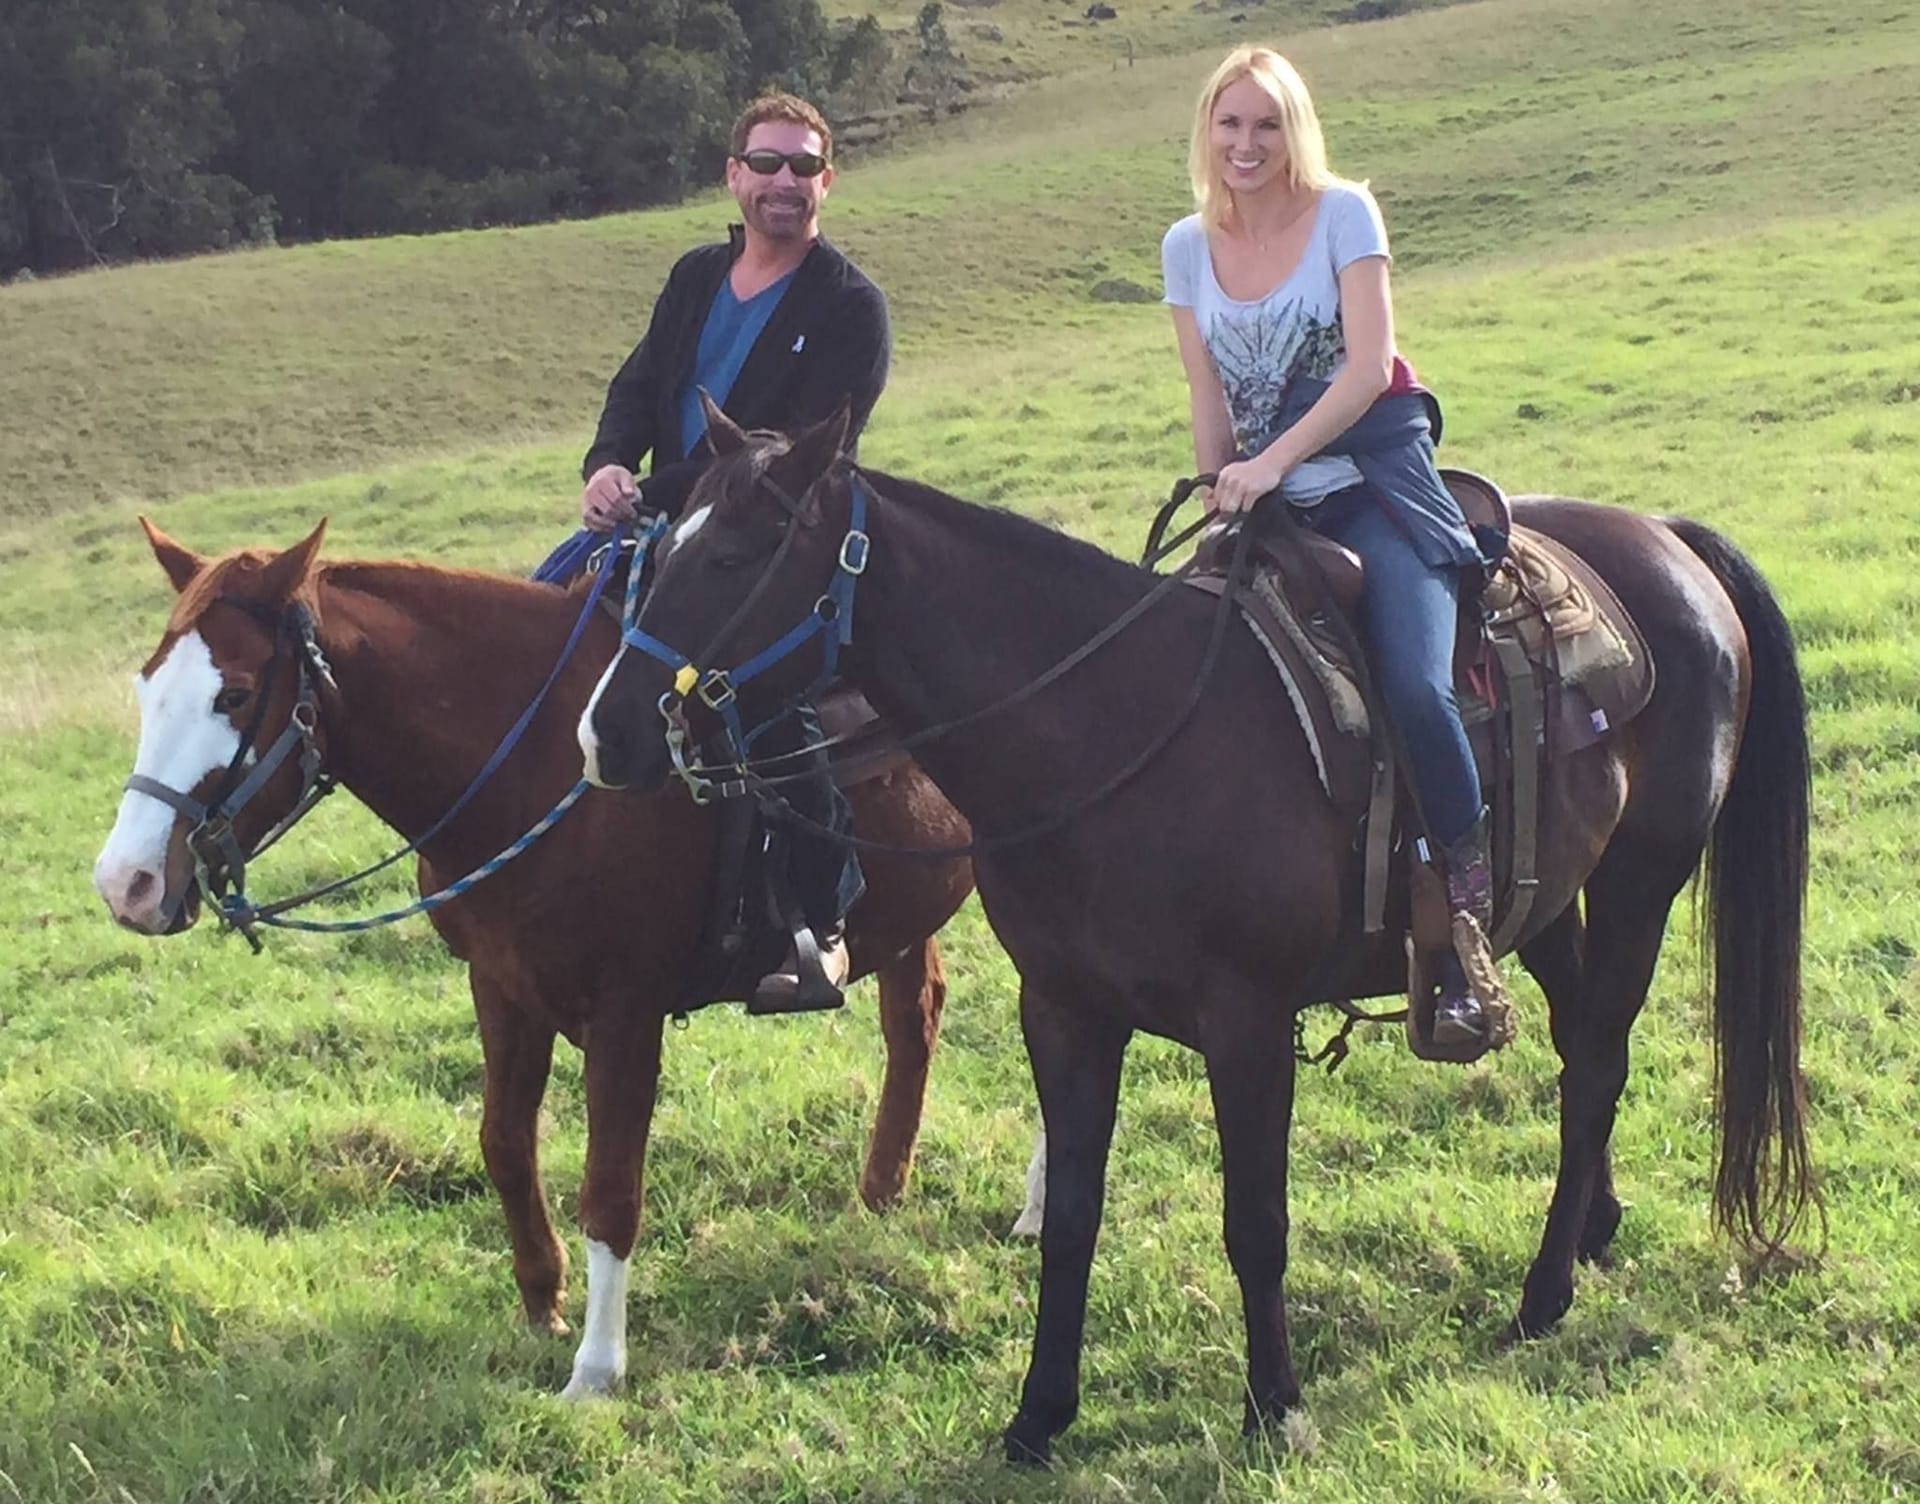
(140, 890)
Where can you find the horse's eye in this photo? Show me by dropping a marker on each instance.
(231, 699)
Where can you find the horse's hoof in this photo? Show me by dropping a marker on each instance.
(593, 1382)
(1267, 1420)
(1027, 1225)
(882, 1194)
(1027, 1450)
(1596, 1241)
(1525, 1328)
(549, 1323)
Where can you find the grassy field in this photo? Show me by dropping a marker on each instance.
(247, 1248)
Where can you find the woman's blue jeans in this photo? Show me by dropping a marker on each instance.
(1412, 613)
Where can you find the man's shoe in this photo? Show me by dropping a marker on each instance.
(810, 980)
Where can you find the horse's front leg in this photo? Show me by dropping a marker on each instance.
(519, 1055)
(1250, 1071)
(622, 1074)
(1076, 1067)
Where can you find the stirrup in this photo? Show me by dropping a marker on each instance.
(804, 986)
(1428, 1037)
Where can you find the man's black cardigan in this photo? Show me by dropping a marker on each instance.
(827, 342)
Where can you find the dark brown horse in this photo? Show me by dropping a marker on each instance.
(591, 934)
(1203, 900)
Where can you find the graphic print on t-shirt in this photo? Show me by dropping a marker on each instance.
(1261, 352)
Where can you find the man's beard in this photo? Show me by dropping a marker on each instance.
(790, 216)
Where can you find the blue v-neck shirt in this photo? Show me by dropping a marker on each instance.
(728, 335)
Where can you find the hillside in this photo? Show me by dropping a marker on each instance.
(1657, 256)
(1500, 131)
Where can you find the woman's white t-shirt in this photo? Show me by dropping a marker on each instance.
(1259, 347)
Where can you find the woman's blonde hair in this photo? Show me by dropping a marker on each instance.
(1299, 125)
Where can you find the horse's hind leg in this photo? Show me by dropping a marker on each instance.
(1556, 958)
(1033, 1216)
(519, 1055)
(1595, 985)
(1076, 1067)
(913, 992)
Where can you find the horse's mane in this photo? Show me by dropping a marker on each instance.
(363, 574)
(376, 577)
(1004, 528)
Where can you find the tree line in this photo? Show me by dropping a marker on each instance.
(135, 128)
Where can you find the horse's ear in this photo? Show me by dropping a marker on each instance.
(724, 435)
(180, 563)
(812, 453)
(282, 575)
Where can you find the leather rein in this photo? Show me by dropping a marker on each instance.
(717, 688)
(220, 861)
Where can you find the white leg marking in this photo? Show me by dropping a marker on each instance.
(182, 740)
(1035, 1211)
(600, 1364)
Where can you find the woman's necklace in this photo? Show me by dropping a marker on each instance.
(1264, 242)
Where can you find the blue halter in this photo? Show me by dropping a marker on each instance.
(831, 620)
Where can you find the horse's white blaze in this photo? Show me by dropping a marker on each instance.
(589, 743)
(691, 525)
(1034, 1214)
(182, 739)
(601, 1361)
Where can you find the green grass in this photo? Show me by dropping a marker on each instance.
(247, 1251)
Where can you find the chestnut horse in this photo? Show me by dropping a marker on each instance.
(1202, 899)
(592, 933)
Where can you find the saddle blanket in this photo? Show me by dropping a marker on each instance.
(1588, 656)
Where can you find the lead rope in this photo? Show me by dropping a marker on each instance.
(240, 913)
(776, 804)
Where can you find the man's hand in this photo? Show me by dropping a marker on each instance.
(1244, 482)
(607, 500)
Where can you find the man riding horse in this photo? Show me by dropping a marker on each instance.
(781, 327)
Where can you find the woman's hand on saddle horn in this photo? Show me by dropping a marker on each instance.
(1244, 482)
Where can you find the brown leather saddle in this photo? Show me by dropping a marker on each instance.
(1547, 661)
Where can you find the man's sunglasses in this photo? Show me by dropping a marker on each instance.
(766, 162)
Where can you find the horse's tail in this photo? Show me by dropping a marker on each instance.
(1755, 885)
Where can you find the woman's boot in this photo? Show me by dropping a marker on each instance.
(1459, 1015)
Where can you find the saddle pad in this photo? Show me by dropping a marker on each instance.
(1595, 662)
(1585, 647)
(1324, 694)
